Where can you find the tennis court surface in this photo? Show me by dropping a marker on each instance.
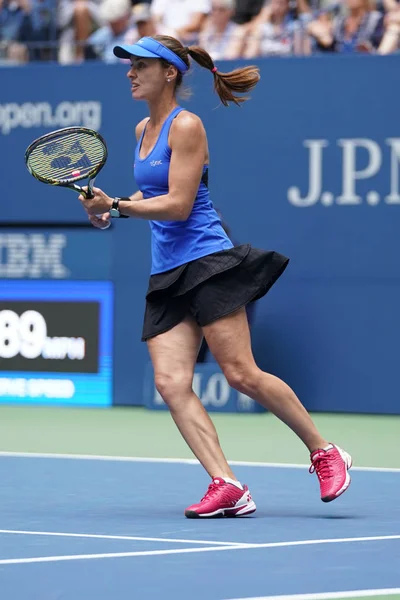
(79, 527)
(73, 528)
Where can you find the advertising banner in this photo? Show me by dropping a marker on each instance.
(309, 167)
(56, 342)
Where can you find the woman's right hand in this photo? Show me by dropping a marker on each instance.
(102, 221)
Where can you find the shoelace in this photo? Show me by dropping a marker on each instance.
(322, 466)
(211, 491)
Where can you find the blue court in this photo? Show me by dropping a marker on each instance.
(77, 529)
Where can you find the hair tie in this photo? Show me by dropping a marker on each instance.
(214, 70)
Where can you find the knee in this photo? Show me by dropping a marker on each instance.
(243, 378)
(172, 387)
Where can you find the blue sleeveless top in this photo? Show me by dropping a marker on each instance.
(175, 243)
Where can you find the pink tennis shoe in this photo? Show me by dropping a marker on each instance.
(225, 499)
(332, 468)
(222, 499)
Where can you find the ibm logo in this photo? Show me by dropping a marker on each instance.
(32, 255)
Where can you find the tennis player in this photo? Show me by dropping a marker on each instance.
(200, 283)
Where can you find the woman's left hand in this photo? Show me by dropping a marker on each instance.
(99, 204)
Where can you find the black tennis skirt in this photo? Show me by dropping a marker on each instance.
(210, 287)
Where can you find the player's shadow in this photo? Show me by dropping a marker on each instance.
(299, 514)
(131, 512)
(122, 513)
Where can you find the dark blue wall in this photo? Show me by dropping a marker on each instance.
(330, 327)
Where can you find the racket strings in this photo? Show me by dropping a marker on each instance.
(67, 158)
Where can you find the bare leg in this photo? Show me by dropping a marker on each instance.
(173, 355)
(229, 341)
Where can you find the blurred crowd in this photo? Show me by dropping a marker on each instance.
(72, 31)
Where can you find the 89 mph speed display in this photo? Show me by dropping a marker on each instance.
(49, 336)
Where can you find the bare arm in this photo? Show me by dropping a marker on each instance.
(263, 16)
(189, 149)
(195, 24)
(391, 39)
(235, 47)
(321, 30)
(253, 45)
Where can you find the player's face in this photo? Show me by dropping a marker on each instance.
(147, 77)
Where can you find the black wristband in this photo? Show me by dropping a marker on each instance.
(121, 216)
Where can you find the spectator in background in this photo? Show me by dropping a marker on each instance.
(182, 19)
(28, 29)
(220, 35)
(272, 32)
(44, 30)
(124, 25)
(142, 16)
(76, 21)
(391, 38)
(15, 29)
(359, 27)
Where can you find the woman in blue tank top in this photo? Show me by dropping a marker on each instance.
(200, 284)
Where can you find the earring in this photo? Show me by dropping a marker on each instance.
(169, 81)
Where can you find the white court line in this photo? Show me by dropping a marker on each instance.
(40, 559)
(179, 461)
(330, 595)
(117, 537)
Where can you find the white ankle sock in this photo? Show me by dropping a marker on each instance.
(234, 482)
(328, 447)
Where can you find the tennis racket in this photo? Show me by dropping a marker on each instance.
(66, 156)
